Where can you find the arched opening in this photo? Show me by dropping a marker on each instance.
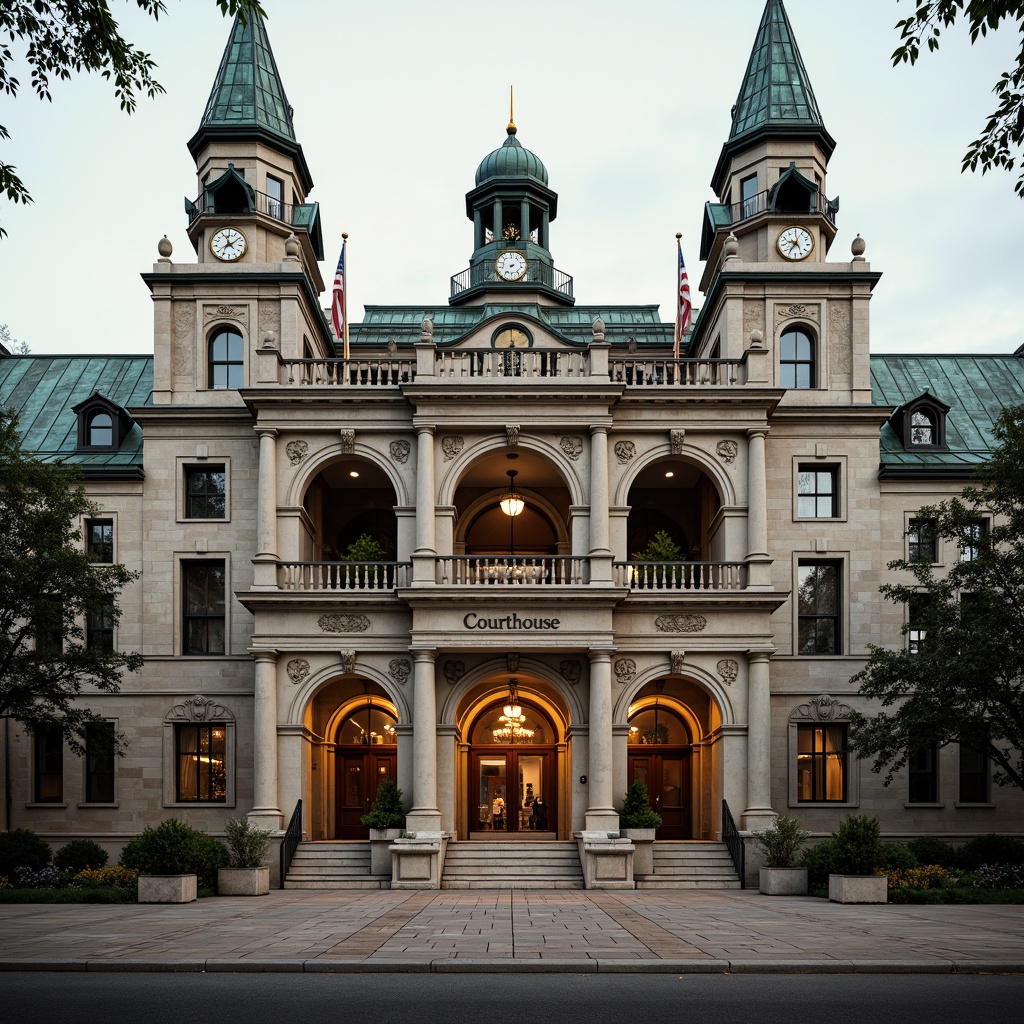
(797, 359)
(227, 359)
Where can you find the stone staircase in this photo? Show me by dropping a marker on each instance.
(690, 865)
(510, 865)
(333, 865)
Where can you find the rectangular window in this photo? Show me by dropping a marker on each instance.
(49, 631)
(99, 763)
(818, 492)
(99, 628)
(821, 763)
(202, 763)
(922, 545)
(99, 539)
(973, 776)
(923, 771)
(203, 586)
(205, 492)
(916, 611)
(818, 608)
(49, 765)
(972, 540)
(748, 196)
(275, 197)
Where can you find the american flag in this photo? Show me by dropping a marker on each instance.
(684, 310)
(338, 317)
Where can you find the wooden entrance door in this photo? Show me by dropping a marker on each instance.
(513, 790)
(667, 775)
(357, 774)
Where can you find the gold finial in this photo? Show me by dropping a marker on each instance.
(511, 115)
(679, 234)
(344, 236)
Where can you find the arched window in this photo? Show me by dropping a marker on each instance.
(227, 359)
(368, 725)
(658, 725)
(100, 431)
(796, 359)
(922, 429)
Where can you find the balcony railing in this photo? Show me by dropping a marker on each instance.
(680, 576)
(512, 570)
(371, 371)
(537, 272)
(640, 371)
(523, 362)
(263, 203)
(343, 576)
(761, 203)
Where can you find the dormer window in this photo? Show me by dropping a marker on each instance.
(921, 423)
(100, 431)
(102, 424)
(922, 429)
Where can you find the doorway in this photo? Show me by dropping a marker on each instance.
(365, 754)
(660, 756)
(512, 791)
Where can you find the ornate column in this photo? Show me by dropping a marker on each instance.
(759, 813)
(757, 510)
(265, 562)
(423, 556)
(264, 742)
(600, 553)
(425, 815)
(601, 814)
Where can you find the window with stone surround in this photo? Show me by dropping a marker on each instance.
(796, 359)
(48, 781)
(204, 586)
(822, 770)
(199, 753)
(205, 492)
(100, 757)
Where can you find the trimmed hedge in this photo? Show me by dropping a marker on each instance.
(22, 848)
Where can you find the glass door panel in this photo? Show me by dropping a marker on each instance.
(492, 794)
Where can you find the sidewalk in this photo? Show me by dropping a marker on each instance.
(514, 931)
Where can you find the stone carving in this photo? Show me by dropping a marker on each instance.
(677, 438)
(680, 623)
(399, 669)
(840, 344)
(454, 671)
(572, 446)
(512, 660)
(348, 441)
(678, 659)
(348, 662)
(571, 671)
(625, 669)
(184, 337)
(233, 312)
(753, 317)
(269, 320)
(727, 451)
(343, 623)
(296, 451)
(200, 709)
(728, 670)
(822, 709)
(451, 446)
(512, 434)
(298, 669)
(624, 451)
(400, 451)
(797, 309)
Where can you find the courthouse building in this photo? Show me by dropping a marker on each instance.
(421, 562)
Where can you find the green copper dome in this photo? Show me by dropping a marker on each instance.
(511, 160)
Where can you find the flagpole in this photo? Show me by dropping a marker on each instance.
(344, 294)
(679, 298)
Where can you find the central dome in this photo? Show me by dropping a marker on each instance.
(511, 160)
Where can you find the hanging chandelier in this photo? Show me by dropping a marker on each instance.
(512, 725)
(512, 709)
(512, 504)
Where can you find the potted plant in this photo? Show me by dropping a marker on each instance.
(362, 555)
(173, 860)
(385, 821)
(638, 822)
(247, 874)
(855, 859)
(665, 573)
(779, 845)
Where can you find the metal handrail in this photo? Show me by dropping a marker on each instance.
(537, 272)
(290, 843)
(761, 203)
(645, 575)
(271, 206)
(734, 841)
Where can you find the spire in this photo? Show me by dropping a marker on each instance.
(776, 91)
(511, 112)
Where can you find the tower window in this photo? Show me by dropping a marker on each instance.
(796, 359)
(227, 360)
(748, 197)
(275, 197)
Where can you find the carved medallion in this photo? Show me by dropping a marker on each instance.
(625, 669)
(399, 669)
(200, 709)
(348, 662)
(571, 671)
(624, 451)
(454, 671)
(343, 623)
(348, 441)
(298, 669)
(296, 451)
(822, 709)
(451, 446)
(572, 446)
(728, 670)
(680, 623)
(400, 451)
(727, 451)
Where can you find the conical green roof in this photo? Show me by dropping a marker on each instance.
(247, 92)
(776, 91)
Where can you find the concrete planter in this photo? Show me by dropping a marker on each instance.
(858, 888)
(380, 855)
(783, 881)
(643, 857)
(167, 888)
(243, 881)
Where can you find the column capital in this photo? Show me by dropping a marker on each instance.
(758, 431)
(600, 654)
(759, 657)
(426, 428)
(424, 654)
(599, 428)
(265, 431)
(264, 654)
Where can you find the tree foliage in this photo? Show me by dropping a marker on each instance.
(1000, 143)
(48, 588)
(962, 680)
(65, 37)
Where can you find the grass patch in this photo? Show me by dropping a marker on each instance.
(100, 894)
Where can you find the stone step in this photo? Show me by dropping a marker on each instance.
(333, 865)
(512, 865)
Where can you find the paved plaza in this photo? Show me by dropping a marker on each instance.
(513, 930)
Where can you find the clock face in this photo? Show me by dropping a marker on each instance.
(795, 243)
(228, 244)
(511, 337)
(510, 265)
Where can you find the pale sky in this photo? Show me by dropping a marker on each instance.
(628, 105)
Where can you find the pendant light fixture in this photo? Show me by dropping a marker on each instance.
(512, 504)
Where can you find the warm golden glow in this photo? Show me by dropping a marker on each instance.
(512, 504)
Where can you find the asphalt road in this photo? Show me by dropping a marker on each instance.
(72, 998)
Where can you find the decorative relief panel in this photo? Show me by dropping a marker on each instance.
(451, 446)
(348, 662)
(727, 451)
(400, 451)
(624, 451)
(348, 441)
(454, 671)
(399, 669)
(797, 311)
(821, 709)
(678, 659)
(298, 669)
(296, 451)
(571, 671)
(269, 318)
(224, 312)
(677, 439)
(840, 343)
(680, 623)
(572, 446)
(728, 670)
(200, 709)
(753, 317)
(625, 669)
(512, 434)
(343, 623)
(184, 337)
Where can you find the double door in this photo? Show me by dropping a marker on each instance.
(667, 775)
(512, 790)
(357, 774)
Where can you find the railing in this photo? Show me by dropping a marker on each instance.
(339, 576)
(269, 205)
(371, 371)
(640, 371)
(512, 570)
(525, 362)
(537, 272)
(291, 840)
(680, 575)
(734, 842)
(761, 203)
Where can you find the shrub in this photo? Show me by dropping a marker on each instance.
(22, 848)
(896, 857)
(80, 854)
(933, 851)
(174, 848)
(820, 862)
(1000, 876)
(247, 844)
(990, 849)
(45, 878)
(929, 877)
(636, 809)
(114, 878)
(781, 841)
(858, 847)
(386, 809)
